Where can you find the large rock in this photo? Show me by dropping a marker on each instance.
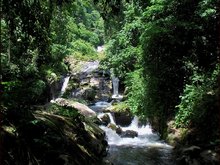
(50, 139)
(105, 119)
(129, 134)
(123, 118)
(192, 150)
(83, 109)
(89, 94)
(122, 113)
(92, 84)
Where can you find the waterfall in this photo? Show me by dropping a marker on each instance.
(115, 82)
(65, 84)
(111, 118)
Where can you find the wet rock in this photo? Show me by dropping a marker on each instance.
(129, 134)
(87, 75)
(83, 109)
(123, 118)
(85, 81)
(89, 94)
(118, 130)
(105, 119)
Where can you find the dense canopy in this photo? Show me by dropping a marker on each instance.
(165, 52)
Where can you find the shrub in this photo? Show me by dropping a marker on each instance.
(198, 99)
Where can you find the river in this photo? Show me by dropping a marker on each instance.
(146, 149)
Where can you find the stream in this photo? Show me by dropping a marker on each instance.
(146, 149)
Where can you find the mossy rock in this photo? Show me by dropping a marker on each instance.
(50, 139)
(122, 114)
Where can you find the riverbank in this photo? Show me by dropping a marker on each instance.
(190, 148)
(51, 135)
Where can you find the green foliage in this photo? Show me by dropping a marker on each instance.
(123, 49)
(36, 38)
(120, 107)
(83, 47)
(136, 86)
(50, 76)
(63, 111)
(148, 47)
(198, 99)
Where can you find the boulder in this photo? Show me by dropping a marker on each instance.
(123, 118)
(88, 75)
(105, 119)
(96, 120)
(83, 109)
(129, 134)
(118, 130)
(189, 155)
(89, 94)
(61, 102)
(54, 140)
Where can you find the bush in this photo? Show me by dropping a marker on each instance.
(136, 88)
(85, 48)
(199, 99)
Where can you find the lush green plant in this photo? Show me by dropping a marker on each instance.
(64, 111)
(83, 47)
(136, 92)
(36, 38)
(120, 107)
(157, 37)
(198, 99)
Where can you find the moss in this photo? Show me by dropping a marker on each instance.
(120, 107)
(60, 110)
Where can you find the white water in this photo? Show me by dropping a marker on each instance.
(65, 84)
(146, 149)
(115, 84)
(145, 136)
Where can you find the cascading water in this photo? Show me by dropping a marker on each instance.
(115, 83)
(65, 84)
(61, 92)
(145, 149)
